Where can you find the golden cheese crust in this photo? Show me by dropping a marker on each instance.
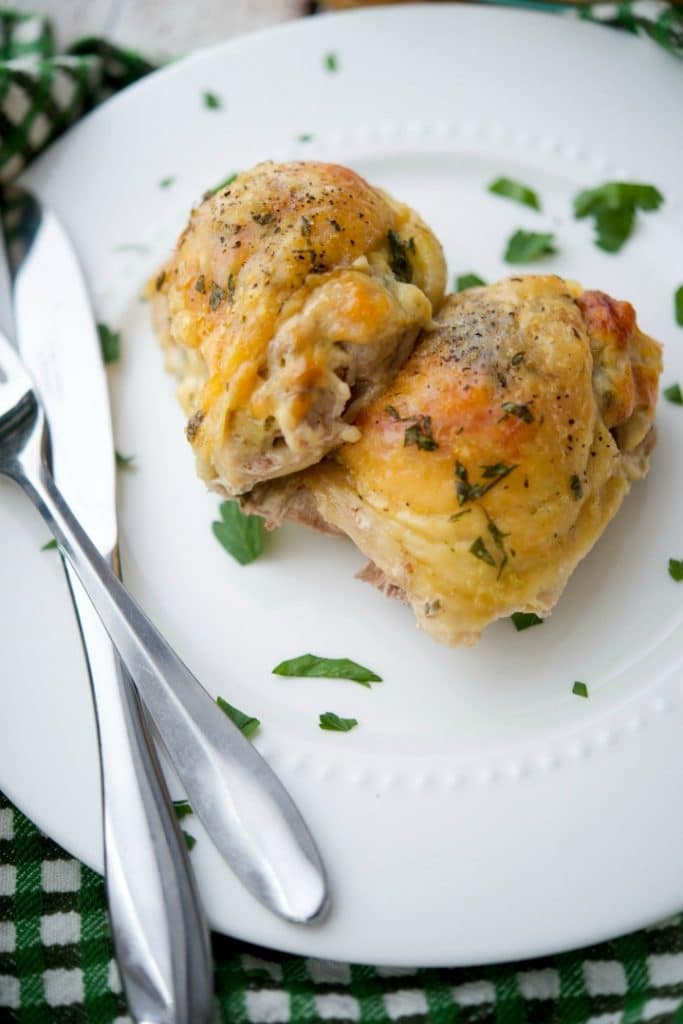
(495, 459)
(293, 295)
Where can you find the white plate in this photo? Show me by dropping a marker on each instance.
(480, 811)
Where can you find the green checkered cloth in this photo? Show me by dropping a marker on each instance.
(56, 966)
(56, 963)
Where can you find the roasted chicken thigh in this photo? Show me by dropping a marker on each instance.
(494, 460)
(293, 296)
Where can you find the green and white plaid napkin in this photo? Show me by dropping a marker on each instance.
(56, 964)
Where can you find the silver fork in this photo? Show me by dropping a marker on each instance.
(250, 816)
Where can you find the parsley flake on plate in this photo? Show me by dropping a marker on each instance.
(241, 535)
(50, 545)
(333, 723)
(465, 281)
(182, 809)
(613, 205)
(676, 569)
(526, 246)
(579, 689)
(304, 137)
(615, 195)
(190, 841)
(331, 62)
(124, 461)
(509, 189)
(166, 182)
(110, 343)
(525, 620)
(315, 667)
(678, 305)
(673, 394)
(212, 100)
(247, 724)
(613, 227)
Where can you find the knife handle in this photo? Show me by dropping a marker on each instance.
(244, 807)
(158, 927)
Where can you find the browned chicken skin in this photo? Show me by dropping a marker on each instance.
(495, 459)
(294, 294)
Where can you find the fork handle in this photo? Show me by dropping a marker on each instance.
(157, 924)
(244, 807)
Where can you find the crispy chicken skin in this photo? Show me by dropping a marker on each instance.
(495, 459)
(293, 296)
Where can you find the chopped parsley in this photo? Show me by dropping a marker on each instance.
(579, 689)
(247, 724)
(458, 515)
(480, 551)
(331, 62)
(313, 666)
(333, 723)
(216, 296)
(241, 535)
(304, 137)
(525, 620)
(614, 195)
(200, 285)
(124, 461)
(263, 218)
(673, 394)
(231, 288)
(498, 539)
(467, 491)
(576, 488)
(305, 227)
(510, 189)
(465, 281)
(182, 809)
(223, 184)
(420, 434)
(522, 412)
(166, 182)
(678, 305)
(526, 246)
(675, 569)
(613, 206)
(613, 227)
(212, 100)
(110, 343)
(51, 545)
(190, 841)
(399, 259)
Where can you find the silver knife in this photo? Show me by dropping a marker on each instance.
(244, 807)
(157, 923)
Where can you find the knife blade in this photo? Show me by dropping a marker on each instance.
(159, 931)
(246, 810)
